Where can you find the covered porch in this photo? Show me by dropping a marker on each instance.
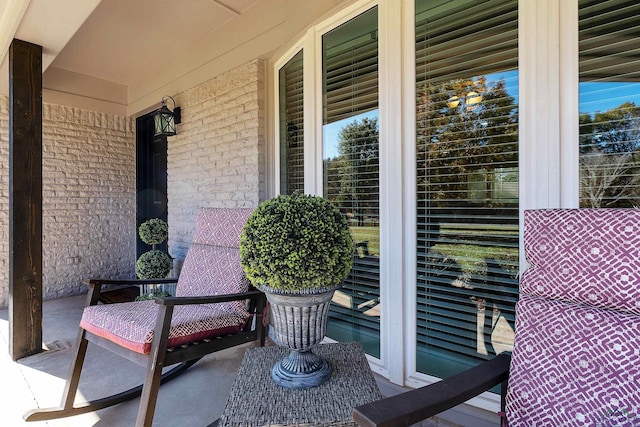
(196, 398)
(433, 124)
(38, 380)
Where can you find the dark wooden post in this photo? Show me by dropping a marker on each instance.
(25, 199)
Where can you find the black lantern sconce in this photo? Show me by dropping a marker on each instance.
(165, 120)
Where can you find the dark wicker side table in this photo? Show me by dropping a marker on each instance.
(255, 400)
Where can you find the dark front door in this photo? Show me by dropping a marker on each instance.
(151, 182)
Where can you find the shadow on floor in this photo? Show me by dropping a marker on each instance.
(196, 398)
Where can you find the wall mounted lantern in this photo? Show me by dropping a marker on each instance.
(165, 120)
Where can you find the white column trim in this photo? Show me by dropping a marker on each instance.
(569, 105)
(392, 284)
(317, 169)
(272, 133)
(539, 108)
(312, 144)
(409, 189)
(538, 57)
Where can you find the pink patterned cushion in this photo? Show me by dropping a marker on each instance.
(576, 358)
(131, 324)
(589, 256)
(211, 270)
(573, 365)
(220, 226)
(212, 267)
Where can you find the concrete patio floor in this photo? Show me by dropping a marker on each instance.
(195, 398)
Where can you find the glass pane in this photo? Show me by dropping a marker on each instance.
(351, 181)
(467, 182)
(291, 126)
(609, 104)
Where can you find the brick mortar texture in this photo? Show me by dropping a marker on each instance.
(89, 194)
(217, 157)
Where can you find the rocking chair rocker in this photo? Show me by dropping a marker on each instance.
(576, 358)
(209, 313)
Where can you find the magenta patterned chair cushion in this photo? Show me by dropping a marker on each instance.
(576, 358)
(588, 256)
(211, 267)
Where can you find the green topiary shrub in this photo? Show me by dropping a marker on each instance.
(153, 265)
(153, 295)
(154, 231)
(296, 244)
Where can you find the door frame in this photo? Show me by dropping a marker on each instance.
(151, 178)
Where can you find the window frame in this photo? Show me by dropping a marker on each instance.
(548, 147)
(381, 365)
(277, 66)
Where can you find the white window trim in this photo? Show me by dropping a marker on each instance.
(311, 44)
(569, 105)
(548, 128)
(548, 106)
(325, 26)
(275, 105)
(410, 191)
(392, 114)
(312, 149)
(381, 365)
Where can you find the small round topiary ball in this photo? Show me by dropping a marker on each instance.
(153, 265)
(296, 244)
(153, 231)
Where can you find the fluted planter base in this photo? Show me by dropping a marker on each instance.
(301, 369)
(300, 322)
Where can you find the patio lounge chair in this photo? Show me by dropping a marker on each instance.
(208, 313)
(576, 358)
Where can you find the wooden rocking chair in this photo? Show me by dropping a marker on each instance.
(209, 313)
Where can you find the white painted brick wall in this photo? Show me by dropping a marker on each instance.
(217, 158)
(89, 195)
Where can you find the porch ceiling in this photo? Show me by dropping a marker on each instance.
(97, 48)
(122, 56)
(49, 24)
(123, 40)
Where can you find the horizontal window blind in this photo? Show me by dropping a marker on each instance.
(351, 171)
(291, 126)
(467, 181)
(609, 106)
(350, 68)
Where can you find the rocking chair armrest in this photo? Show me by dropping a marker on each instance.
(416, 405)
(95, 286)
(131, 282)
(212, 299)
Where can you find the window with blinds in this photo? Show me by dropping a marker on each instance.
(291, 126)
(609, 42)
(351, 172)
(467, 181)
